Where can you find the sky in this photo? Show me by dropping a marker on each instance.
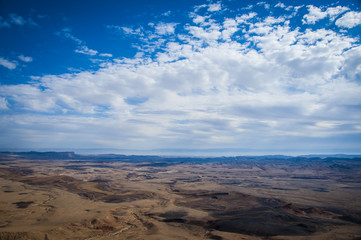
(200, 76)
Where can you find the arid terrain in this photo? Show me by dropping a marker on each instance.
(68, 196)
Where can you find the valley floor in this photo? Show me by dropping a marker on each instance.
(125, 199)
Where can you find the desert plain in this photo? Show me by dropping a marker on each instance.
(63, 195)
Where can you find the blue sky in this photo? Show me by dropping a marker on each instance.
(181, 76)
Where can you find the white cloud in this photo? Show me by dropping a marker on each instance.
(66, 32)
(205, 86)
(208, 35)
(25, 58)
(165, 28)
(198, 7)
(349, 20)
(8, 64)
(87, 51)
(230, 27)
(333, 12)
(280, 5)
(167, 13)
(128, 30)
(214, 7)
(105, 55)
(315, 14)
(245, 17)
(221, 90)
(352, 65)
(197, 19)
(264, 4)
(82, 48)
(29, 97)
(3, 104)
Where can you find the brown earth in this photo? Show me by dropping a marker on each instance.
(77, 199)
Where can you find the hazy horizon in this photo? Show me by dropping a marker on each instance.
(181, 152)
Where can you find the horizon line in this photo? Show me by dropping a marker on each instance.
(212, 152)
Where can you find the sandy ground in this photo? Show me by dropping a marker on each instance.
(48, 199)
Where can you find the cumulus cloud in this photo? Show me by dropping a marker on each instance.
(315, 14)
(214, 7)
(165, 28)
(333, 12)
(349, 20)
(240, 80)
(8, 64)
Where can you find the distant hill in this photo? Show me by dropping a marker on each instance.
(43, 155)
(166, 160)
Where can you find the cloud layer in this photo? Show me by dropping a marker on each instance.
(241, 81)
